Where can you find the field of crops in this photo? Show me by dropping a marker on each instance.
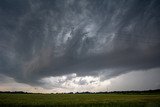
(79, 100)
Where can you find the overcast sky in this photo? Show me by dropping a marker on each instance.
(79, 45)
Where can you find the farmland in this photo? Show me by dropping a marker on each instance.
(79, 100)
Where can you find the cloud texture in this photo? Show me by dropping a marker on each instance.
(41, 38)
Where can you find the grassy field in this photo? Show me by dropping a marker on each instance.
(79, 100)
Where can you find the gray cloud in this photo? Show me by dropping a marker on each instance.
(53, 38)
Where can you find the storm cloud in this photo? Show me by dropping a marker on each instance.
(42, 38)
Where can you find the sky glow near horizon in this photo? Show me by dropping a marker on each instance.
(79, 45)
(72, 83)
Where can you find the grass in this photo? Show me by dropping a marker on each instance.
(79, 100)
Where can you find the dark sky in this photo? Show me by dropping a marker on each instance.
(49, 38)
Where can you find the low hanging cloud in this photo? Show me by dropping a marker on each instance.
(40, 38)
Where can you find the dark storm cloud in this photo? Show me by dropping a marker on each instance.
(40, 38)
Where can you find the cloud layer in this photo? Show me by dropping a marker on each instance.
(41, 38)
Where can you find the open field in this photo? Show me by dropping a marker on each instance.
(80, 100)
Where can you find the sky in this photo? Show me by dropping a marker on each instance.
(50, 46)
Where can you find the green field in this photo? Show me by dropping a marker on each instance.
(79, 100)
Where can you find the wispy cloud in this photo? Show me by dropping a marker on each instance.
(41, 39)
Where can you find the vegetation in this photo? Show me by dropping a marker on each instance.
(80, 100)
